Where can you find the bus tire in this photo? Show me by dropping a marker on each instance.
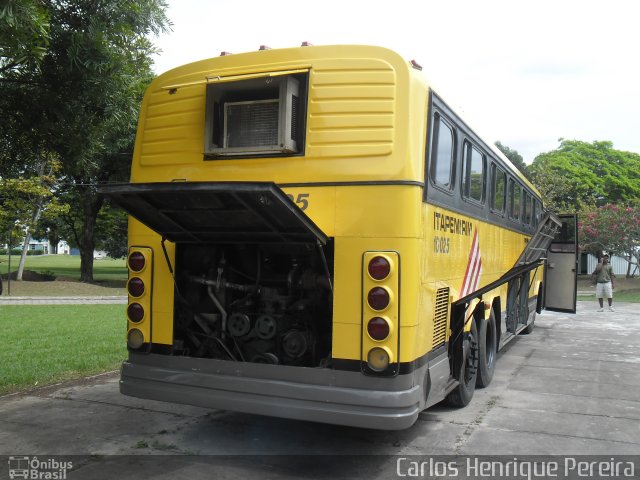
(487, 351)
(529, 328)
(463, 393)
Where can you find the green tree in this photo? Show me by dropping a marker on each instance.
(515, 158)
(25, 200)
(83, 98)
(24, 34)
(579, 175)
(111, 231)
(614, 229)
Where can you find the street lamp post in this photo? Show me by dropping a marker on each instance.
(9, 272)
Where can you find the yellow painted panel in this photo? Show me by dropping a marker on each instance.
(318, 203)
(351, 106)
(350, 76)
(170, 106)
(391, 211)
(317, 123)
(348, 277)
(346, 341)
(448, 245)
(410, 344)
(162, 296)
(348, 136)
(184, 118)
(352, 150)
(371, 93)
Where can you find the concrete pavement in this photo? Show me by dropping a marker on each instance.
(79, 300)
(572, 387)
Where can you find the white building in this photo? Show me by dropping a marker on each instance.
(588, 264)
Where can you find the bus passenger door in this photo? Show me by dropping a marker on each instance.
(561, 273)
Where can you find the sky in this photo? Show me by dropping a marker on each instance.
(524, 72)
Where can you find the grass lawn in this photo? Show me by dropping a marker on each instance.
(68, 266)
(110, 276)
(627, 289)
(629, 296)
(51, 343)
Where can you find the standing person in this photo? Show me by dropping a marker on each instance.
(604, 282)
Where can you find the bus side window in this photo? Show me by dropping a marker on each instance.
(534, 212)
(443, 153)
(514, 200)
(499, 189)
(527, 209)
(538, 211)
(473, 173)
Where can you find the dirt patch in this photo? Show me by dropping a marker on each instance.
(63, 288)
(31, 276)
(622, 283)
(47, 390)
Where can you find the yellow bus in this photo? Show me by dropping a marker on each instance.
(315, 234)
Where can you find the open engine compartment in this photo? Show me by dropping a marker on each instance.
(262, 303)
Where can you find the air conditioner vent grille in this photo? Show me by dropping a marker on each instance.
(294, 117)
(252, 124)
(441, 316)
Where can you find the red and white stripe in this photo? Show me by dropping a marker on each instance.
(474, 268)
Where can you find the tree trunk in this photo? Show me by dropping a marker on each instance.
(632, 265)
(86, 244)
(86, 262)
(23, 256)
(27, 240)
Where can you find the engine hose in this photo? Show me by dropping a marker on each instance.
(219, 307)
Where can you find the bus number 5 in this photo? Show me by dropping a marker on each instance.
(301, 201)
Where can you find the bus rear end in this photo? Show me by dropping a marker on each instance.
(274, 239)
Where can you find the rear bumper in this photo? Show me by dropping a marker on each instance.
(312, 394)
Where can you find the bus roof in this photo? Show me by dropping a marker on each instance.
(228, 65)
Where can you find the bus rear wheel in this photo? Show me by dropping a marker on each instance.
(538, 309)
(487, 351)
(463, 393)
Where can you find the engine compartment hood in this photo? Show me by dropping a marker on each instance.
(216, 212)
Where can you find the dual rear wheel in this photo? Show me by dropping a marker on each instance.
(480, 350)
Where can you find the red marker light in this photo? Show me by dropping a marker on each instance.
(378, 328)
(135, 287)
(136, 261)
(379, 268)
(378, 298)
(135, 312)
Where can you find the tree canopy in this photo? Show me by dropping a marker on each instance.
(612, 228)
(76, 95)
(24, 34)
(515, 158)
(580, 175)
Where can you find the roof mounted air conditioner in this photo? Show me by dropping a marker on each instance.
(247, 125)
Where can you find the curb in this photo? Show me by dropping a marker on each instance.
(95, 300)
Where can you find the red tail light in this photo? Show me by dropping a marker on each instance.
(378, 328)
(379, 268)
(135, 312)
(378, 298)
(136, 261)
(135, 287)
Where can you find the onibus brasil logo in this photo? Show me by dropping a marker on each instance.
(38, 469)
